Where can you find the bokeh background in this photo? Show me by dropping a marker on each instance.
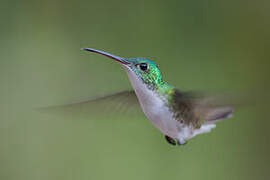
(204, 45)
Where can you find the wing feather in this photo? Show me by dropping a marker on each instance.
(119, 102)
(196, 108)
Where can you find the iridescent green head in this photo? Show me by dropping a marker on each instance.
(146, 70)
(143, 68)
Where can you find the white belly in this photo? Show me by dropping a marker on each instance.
(158, 113)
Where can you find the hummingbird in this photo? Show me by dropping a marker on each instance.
(180, 116)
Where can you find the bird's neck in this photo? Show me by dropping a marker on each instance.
(145, 91)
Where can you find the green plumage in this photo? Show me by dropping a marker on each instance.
(152, 77)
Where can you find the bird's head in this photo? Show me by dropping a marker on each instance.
(144, 69)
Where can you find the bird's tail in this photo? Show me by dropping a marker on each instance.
(216, 114)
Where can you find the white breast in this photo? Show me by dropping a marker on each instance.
(154, 107)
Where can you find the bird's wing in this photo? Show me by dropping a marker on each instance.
(196, 108)
(212, 109)
(120, 102)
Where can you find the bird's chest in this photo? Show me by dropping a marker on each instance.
(156, 110)
(152, 104)
(154, 107)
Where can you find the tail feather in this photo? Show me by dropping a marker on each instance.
(217, 114)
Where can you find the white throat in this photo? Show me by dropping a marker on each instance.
(146, 96)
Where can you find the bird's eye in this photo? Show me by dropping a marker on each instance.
(143, 66)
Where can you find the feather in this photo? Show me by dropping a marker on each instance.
(197, 109)
(119, 102)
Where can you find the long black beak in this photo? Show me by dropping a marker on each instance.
(116, 58)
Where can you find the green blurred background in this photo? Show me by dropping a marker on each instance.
(205, 45)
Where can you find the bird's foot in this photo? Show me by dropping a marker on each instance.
(170, 140)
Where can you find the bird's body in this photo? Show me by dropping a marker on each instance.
(178, 116)
(157, 108)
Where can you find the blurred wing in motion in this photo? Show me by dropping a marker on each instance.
(212, 109)
(120, 102)
(199, 108)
